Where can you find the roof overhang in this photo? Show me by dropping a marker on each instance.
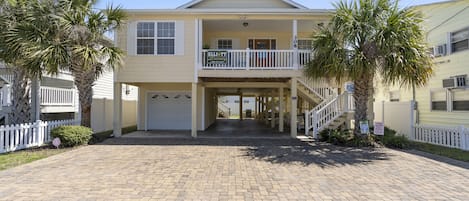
(194, 2)
(311, 12)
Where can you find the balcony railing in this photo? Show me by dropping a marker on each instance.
(254, 59)
(51, 96)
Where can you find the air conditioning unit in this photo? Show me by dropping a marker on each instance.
(440, 50)
(455, 82)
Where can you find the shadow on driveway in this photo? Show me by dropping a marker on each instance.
(279, 151)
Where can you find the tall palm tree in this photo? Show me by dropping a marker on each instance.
(369, 37)
(68, 34)
(14, 13)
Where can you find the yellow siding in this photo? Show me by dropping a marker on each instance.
(167, 68)
(242, 4)
(441, 19)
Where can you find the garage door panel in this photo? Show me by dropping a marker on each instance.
(169, 111)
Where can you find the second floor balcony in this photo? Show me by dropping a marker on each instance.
(254, 59)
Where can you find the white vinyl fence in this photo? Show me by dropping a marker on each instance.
(454, 137)
(22, 136)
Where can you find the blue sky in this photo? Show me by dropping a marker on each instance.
(162, 4)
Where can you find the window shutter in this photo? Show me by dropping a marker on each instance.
(179, 43)
(132, 38)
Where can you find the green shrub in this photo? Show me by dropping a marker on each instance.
(392, 140)
(339, 137)
(324, 135)
(71, 136)
(364, 141)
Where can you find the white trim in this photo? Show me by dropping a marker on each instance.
(197, 50)
(155, 37)
(195, 2)
(313, 12)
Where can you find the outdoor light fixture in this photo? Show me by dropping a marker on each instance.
(245, 24)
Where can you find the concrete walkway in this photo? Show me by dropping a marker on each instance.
(233, 169)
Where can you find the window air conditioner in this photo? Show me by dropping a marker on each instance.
(455, 82)
(440, 50)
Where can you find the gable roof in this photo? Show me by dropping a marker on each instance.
(195, 2)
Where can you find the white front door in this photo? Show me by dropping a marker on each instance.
(169, 111)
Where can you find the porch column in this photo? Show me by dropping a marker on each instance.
(272, 114)
(294, 105)
(117, 123)
(194, 110)
(255, 106)
(295, 44)
(241, 107)
(281, 110)
(266, 115)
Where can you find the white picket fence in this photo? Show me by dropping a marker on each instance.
(23, 136)
(454, 137)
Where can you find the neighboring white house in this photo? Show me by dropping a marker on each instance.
(445, 100)
(59, 99)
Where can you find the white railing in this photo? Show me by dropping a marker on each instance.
(454, 137)
(23, 136)
(321, 87)
(254, 59)
(326, 112)
(51, 96)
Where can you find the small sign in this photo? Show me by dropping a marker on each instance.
(349, 87)
(56, 142)
(217, 57)
(378, 128)
(364, 127)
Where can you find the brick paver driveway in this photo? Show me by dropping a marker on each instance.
(230, 169)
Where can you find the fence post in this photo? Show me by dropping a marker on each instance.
(2, 139)
(463, 136)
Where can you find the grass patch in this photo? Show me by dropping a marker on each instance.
(101, 136)
(453, 153)
(17, 158)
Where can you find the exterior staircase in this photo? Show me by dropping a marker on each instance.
(331, 110)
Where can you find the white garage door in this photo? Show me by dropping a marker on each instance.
(169, 111)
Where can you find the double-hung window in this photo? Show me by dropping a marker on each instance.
(225, 44)
(460, 40)
(156, 38)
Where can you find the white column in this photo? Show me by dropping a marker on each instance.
(294, 105)
(117, 123)
(194, 110)
(35, 99)
(295, 44)
(272, 114)
(241, 106)
(281, 110)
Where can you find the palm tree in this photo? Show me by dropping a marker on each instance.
(13, 53)
(369, 37)
(90, 52)
(68, 34)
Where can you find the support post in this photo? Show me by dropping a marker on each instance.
(241, 106)
(294, 106)
(117, 123)
(281, 108)
(272, 114)
(194, 110)
(266, 113)
(295, 45)
(35, 99)
(256, 106)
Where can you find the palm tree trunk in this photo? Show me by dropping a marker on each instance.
(20, 107)
(84, 81)
(361, 94)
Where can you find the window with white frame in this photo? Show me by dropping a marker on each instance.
(460, 40)
(460, 100)
(225, 44)
(305, 44)
(156, 38)
(394, 96)
(439, 101)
